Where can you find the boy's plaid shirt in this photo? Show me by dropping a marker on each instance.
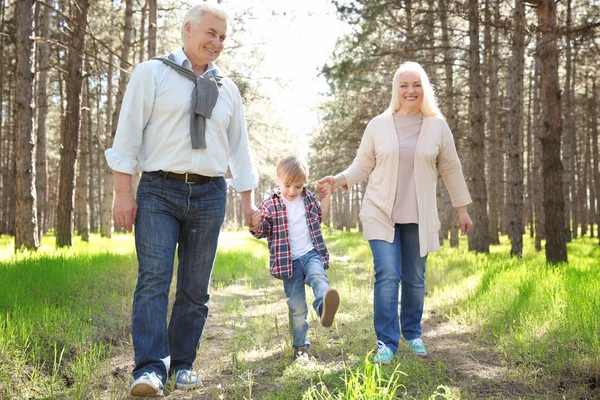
(274, 227)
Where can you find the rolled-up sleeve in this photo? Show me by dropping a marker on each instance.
(136, 110)
(245, 176)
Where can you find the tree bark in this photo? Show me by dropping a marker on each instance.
(595, 156)
(106, 224)
(83, 166)
(570, 187)
(70, 130)
(556, 247)
(41, 173)
(515, 131)
(449, 108)
(152, 21)
(538, 184)
(479, 236)
(26, 234)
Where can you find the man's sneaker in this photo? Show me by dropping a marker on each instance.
(147, 385)
(187, 379)
(384, 354)
(301, 354)
(331, 302)
(417, 347)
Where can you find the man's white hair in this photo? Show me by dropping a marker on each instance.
(194, 15)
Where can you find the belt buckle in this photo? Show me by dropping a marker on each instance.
(186, 179)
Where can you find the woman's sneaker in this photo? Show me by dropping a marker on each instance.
(384, 354)
(147, 385)
(187, 379)
(417, 347)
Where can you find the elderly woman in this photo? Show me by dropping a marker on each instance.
(401, 152)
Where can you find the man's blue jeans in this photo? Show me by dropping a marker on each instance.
(173, 213)
(307, 270)
(395, 263)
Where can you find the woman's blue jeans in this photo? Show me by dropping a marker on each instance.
(173, 214)
(307, 270)
(398, 263)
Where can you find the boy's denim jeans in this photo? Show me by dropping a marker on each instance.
(395, 263)
(307, 270)
(173, 213)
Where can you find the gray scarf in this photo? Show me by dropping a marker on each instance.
(204, 98)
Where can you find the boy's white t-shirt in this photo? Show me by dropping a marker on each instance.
(301, 241)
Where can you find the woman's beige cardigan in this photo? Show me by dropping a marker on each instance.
(377, 158)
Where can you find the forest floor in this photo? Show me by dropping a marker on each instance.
(471, 369)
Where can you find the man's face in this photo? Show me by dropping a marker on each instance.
(204, 44)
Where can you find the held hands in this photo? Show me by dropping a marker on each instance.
(326, 185)
(255, 221)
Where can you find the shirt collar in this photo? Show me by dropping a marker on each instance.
(184, 61)
(277, 193)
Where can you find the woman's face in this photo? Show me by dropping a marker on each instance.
(410, 93)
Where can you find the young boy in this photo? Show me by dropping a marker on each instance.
(290, 219)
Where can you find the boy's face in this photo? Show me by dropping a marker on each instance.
(290, 189)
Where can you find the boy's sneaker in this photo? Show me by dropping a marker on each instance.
(147, 385)
(187, 379)
(301, 354)
(331, 302)
(384, 354)
(417, 347)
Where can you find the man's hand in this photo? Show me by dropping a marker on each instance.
(124, 210)
(124, 206)
(248, 207)
(255, 221)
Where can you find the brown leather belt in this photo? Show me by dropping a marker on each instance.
(188, 178)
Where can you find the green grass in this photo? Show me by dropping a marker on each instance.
(65, 313)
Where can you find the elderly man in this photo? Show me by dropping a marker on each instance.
(185, 123)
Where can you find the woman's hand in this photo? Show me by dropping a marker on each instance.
(464, 221)
(333, 182)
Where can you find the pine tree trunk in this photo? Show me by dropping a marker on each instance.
(144, 11)
(26, 234)
(3, 138)
(41, 173)
(529, 185)
(515, 131)
(595, 155)
(70, 131)
(556, 248)
(152, 20)
(106, 223)
(449, 108)
(83, 165)
(479, 236)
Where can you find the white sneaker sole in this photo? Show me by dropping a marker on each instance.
(143, 389)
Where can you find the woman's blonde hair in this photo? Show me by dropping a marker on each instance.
(429, 105)
(292, 169)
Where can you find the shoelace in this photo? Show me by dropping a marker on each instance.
(151, 376)
(381, 347)
(187, 374)
(417, 342)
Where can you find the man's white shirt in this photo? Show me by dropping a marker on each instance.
(154, 127)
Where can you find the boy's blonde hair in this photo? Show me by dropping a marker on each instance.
(292, 169)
